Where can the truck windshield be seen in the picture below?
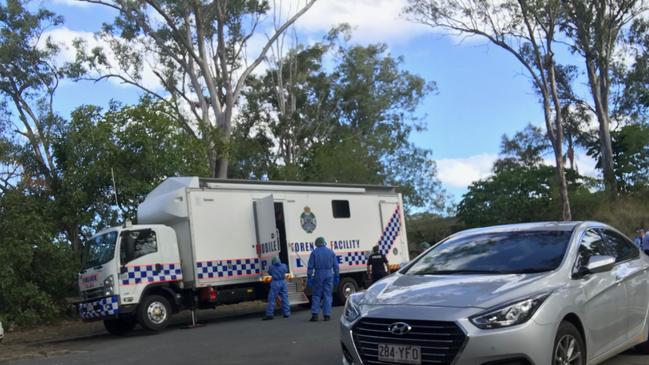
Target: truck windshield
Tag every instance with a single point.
(99, 250)
(495, 253)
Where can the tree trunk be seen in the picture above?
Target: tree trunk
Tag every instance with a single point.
(73, 236)
(601, 111)
(556, 138)
(566, 213)
(606, 148)
(557, 135)
(221, 167)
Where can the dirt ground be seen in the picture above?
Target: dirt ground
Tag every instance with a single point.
(43, 341)
(52, 340)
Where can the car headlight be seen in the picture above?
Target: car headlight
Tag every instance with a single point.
(109, 285)
(353, 307)
(511, 314)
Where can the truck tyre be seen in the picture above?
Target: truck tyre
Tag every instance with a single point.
(346, 287)
(569, 346)
(120, 326)
(154, 313)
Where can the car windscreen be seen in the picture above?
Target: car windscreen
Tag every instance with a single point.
(495, 253)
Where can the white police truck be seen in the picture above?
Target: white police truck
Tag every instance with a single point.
(199, 243)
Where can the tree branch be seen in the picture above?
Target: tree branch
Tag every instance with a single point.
(262, 54)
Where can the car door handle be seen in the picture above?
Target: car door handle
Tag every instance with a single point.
(158, 268)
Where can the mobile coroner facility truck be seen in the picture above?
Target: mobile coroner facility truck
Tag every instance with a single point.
(201, 242)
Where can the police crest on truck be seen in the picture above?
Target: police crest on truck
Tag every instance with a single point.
(307, 220)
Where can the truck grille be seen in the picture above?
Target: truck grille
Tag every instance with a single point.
(440, 341)
(92, 293)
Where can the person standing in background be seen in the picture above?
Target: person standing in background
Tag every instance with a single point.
(322, 275)
(377, 265)
(639, 239)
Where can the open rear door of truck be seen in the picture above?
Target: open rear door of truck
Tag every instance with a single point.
(268, 244)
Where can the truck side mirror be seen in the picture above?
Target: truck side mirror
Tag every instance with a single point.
(123, 269)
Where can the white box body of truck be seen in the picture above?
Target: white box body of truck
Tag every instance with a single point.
(200, 242)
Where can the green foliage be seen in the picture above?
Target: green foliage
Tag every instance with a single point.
(28, 80)
(630, 155)
(24, 66)
(525, 148)
(351, 124)
(522, 188)
(626, 213)
(515, 194)
(634, 81)
(140, 144)
(37, 270)
(429, 228)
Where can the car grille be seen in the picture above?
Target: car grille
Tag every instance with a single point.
(440, 341)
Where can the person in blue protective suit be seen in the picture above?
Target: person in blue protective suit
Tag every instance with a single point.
(278, 287)
(322, 275)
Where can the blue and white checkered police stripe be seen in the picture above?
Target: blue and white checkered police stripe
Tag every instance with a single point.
(104, 307)
(390, 232)
(354, 258)
(228, 268)
(150, 274)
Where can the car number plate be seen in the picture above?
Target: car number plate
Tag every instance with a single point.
(401, 354)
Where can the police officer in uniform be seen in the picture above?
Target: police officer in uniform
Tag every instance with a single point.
(323, 274)
(377, 265)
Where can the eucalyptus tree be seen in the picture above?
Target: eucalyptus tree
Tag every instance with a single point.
(198, 50)
(595, 30)
(29, 78)
(527, 30)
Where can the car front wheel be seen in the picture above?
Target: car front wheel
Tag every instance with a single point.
(569, 346)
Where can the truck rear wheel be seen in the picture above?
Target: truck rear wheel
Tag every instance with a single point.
(120, 326)
(346, 287)
(154, 313)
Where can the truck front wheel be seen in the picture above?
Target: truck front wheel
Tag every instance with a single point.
(346, 287)
(154, 313)
(119, 326)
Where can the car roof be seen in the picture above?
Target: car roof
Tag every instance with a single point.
(521, 227)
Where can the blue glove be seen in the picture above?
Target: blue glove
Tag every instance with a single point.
(336, 280)
(309, 283)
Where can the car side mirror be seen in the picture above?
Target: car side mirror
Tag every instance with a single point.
(598, 264)
(123, 269)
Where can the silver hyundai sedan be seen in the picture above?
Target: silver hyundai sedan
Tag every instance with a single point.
(569, 293)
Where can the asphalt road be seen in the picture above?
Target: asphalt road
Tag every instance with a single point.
(236, 339)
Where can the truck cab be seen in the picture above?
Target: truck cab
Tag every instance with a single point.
(120, 264)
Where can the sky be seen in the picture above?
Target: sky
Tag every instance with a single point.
(482, 92)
